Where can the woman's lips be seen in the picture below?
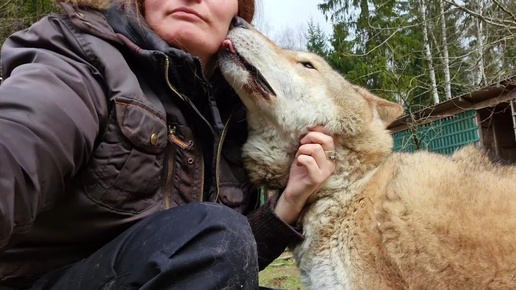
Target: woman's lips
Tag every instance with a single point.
(187, 12)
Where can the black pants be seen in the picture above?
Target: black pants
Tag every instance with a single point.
(196, 246)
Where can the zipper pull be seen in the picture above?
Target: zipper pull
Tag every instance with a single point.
(176, 141)
(171, 130)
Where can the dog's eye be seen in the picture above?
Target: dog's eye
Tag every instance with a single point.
(308, 64)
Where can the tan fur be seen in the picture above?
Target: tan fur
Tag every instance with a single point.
(383, 220)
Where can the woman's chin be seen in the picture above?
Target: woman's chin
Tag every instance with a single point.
(194, 43)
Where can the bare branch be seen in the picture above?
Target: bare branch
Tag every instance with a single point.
(376, 47)
(488, 20)
(504, 9)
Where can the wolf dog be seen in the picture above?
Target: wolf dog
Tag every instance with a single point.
(383, 220)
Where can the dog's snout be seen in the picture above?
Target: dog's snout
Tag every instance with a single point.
(238, 22)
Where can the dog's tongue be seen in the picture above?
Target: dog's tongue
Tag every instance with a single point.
(227, 44)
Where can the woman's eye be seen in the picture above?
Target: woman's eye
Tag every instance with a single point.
(308, 64)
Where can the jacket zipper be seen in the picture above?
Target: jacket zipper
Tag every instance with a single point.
(217, 159)
(167, 190)
(172, 137)
(175, 140)
(167, 66)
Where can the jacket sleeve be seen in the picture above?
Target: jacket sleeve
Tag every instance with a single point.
(51, 107)
(272, 234)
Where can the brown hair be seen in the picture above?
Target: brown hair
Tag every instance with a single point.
(246, 9)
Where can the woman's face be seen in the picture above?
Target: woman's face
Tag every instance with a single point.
(198, 27)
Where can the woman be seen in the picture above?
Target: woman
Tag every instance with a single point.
(120, 150)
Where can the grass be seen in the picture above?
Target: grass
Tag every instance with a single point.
(282, 273)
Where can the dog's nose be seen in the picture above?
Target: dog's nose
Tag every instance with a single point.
(238, 22)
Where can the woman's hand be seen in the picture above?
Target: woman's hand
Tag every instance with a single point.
(310, 169)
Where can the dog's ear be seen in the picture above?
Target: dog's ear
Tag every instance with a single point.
(387, 111)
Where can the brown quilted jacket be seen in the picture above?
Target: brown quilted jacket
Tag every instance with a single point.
(101, 125)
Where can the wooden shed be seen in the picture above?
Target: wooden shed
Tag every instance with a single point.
(486, 116)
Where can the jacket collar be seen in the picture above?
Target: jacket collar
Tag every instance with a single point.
(119, 20)
(124, 21)
(185, 70)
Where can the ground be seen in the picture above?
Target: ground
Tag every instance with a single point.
(281, 274)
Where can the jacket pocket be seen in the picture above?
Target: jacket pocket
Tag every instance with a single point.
(124, 172)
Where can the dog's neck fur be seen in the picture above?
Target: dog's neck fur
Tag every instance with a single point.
(268, 155)
(351, 173)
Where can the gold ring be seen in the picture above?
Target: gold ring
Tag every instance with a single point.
(331, 155)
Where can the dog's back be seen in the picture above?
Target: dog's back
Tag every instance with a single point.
(446, 222)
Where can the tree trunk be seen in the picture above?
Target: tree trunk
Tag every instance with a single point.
(480, 77)
(428, 53)
(446, 57)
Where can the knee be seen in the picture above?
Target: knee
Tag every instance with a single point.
(230, 238)
(223, 220)
(200, 238)
(228, 230)
(222, 216)
(201, 219)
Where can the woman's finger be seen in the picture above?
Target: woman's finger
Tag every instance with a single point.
(314, 150)
(317, 152)
(325, 140)
(315, 174)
